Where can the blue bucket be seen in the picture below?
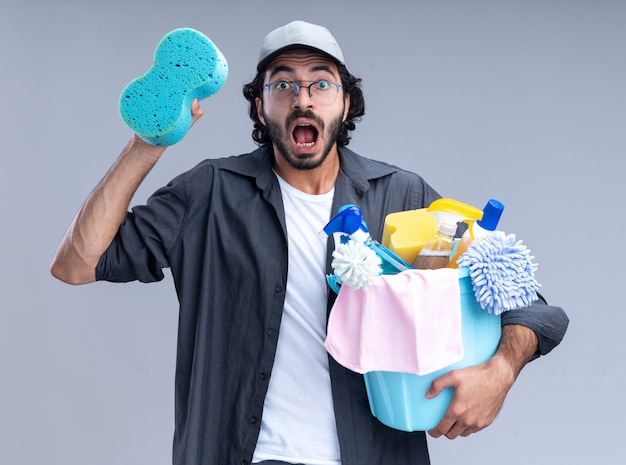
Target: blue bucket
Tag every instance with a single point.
(398, 399)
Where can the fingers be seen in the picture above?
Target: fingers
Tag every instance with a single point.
(475, 404)
(196, 111)
(446, 381)
(459, 421)
(447, 424)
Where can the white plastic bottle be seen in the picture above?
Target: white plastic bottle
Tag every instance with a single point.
(480, 229)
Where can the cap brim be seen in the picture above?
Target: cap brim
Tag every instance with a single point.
(268, 59)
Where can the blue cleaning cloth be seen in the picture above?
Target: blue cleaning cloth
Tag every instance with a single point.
(156, 106)
(502, 273)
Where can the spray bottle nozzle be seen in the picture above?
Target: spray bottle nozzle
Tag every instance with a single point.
(450, 212)
(347, 221)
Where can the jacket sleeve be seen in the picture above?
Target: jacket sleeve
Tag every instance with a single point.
(547, 321)
(140, 250)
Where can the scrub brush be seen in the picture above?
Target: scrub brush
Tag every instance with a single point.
(355, 264)
(502, 273)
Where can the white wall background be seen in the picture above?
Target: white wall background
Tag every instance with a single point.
(520, 100)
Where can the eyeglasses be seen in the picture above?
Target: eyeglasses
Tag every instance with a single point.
(284, 93)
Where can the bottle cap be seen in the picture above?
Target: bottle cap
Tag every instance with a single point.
(491, 215)
(447, 229)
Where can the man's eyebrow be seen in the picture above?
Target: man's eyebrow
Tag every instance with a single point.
(289, 69)
(322, 68)
(280, 69)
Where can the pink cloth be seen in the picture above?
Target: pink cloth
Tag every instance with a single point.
(409, 322)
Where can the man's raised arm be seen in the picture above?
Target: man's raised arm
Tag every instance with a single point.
(99, 218)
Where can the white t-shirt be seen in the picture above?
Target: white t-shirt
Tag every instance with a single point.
(298, 422)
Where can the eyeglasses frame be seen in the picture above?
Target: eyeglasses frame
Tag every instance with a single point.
(297, 87)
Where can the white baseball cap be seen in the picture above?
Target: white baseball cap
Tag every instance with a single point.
(298, 34)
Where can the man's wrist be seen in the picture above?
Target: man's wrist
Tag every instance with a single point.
(517, 347)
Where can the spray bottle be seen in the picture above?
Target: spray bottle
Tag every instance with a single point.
(441, 247)
(348, 225)
(480, 229)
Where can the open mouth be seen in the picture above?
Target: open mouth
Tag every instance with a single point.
(304, 135)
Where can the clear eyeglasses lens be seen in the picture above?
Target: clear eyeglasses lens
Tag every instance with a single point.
(322, 92)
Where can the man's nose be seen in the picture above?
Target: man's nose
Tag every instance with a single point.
(303, 99)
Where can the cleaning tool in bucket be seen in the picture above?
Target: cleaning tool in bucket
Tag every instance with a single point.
(502, 272)
(357, 257)
(479, 229)
(441, 247)
(406, 232)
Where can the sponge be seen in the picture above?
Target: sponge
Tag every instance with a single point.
(156, 106)
(406, 232)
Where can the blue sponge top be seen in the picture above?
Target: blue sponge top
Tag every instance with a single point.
(156, 106)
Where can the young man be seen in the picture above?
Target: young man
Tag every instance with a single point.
(253, 380)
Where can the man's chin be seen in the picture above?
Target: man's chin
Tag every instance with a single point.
(305, 162)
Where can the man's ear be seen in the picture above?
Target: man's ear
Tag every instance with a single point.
(259, 110)
(346, 109)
